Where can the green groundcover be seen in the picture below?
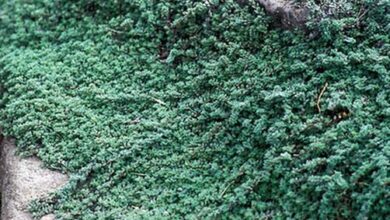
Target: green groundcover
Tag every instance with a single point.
(201, 109)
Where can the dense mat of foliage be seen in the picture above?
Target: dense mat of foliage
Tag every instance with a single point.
(200, 109)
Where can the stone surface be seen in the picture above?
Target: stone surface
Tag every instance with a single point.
(287, 12)
(48, 217)
(23, 180)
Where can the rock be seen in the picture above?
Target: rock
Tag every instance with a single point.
(48, 217)
(24, 180)
(286, 12)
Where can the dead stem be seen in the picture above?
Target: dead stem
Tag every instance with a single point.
(319, 97)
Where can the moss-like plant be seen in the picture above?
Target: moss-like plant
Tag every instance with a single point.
(200, 109)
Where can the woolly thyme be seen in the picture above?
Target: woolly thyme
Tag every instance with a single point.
(200, 109)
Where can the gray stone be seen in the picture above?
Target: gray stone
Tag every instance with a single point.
(24, 180)
(48, 217)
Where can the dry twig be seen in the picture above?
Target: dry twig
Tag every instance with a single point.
(159, 101)
(224, 191)
(319, 97)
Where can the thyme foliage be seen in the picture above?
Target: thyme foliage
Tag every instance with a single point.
(200, 109)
